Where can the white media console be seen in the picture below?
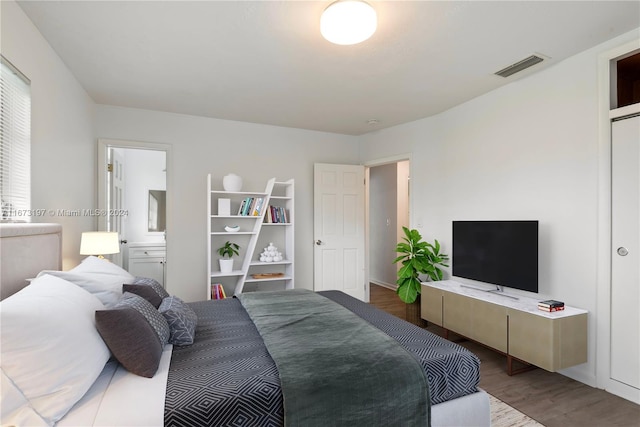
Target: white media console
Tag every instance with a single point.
(514, 327)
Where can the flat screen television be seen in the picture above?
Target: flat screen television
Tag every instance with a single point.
(503, 253)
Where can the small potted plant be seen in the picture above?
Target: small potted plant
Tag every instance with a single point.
(417, 257)
(227, 251)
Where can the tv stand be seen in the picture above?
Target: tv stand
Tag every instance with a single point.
(513, 327)
(499, 291)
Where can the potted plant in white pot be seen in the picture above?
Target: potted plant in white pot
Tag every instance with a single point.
(417, 257)
(227, 251)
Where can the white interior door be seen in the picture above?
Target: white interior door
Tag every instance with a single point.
(339, 239)
(625, 265)
(116, 200)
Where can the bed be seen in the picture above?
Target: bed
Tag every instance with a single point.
(229, 363)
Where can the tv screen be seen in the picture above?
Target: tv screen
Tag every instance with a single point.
(503, 253)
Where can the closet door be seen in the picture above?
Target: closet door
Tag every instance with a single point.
(625, 239)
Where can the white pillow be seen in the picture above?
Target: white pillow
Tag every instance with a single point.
(50, 349)
(98, 276)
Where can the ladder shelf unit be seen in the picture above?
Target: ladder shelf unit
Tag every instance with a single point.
(256, 232)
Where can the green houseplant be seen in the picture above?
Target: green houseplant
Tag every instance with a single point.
(417, 257)
(227, 251)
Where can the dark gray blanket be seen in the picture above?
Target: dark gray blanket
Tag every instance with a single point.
(335, 366)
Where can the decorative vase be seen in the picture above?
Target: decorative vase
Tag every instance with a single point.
(226, 265)
(232, 182)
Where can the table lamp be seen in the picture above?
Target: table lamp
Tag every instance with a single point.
(99, 243)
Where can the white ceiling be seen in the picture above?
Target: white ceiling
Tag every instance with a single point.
(265, 61)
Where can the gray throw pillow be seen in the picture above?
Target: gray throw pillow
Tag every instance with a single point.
(153, 317)
(181, 318)
(145, 291)
(131, 339)
(135, 332)
(162, 293)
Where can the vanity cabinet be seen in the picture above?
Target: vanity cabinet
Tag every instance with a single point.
(514, 327)
(147, 260)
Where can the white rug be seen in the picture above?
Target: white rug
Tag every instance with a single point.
(503, 415)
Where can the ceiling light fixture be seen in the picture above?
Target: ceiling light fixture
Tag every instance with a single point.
(348, 22)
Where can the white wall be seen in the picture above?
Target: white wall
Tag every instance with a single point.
(63, 153)
(255, 152)
(528, 150)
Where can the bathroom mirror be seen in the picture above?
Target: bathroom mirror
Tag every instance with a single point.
(157, 210)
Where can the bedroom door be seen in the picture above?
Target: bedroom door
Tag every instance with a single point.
(339, 230)
(116, 200)
(625, 261)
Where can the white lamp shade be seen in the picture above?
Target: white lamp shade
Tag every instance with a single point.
(99, 243)
(348, 22)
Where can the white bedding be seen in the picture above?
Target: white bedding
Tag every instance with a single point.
(120, 398)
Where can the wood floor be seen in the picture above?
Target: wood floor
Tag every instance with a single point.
(549, 398)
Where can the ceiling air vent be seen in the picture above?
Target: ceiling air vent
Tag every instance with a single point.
(519, 66)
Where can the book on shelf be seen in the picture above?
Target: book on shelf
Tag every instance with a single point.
(277, 215)
(550, 309)
(217, 291)
(257, 206)
(251, 206)
(242, 205)
(550, 303)
(247, 206)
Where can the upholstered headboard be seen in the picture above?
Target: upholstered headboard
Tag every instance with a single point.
(26, 250)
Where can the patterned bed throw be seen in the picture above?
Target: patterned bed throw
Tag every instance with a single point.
(335, 368)
(227, 377)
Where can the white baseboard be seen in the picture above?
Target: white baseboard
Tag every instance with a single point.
(391, 286)
(622, 390)
(575, 373)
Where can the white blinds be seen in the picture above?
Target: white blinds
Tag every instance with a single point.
(15, 143)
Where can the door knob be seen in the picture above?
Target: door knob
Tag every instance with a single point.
(319, 242)
(622, 251)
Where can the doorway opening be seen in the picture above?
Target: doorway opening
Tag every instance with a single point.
(387, 211)
(133, 192)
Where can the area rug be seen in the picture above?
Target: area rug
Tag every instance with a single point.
(503, 415)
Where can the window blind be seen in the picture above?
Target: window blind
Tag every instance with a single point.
(15, 143)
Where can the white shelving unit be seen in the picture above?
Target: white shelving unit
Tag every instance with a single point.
(253, 236)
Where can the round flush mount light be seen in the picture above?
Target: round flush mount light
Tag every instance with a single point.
(347, 22)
